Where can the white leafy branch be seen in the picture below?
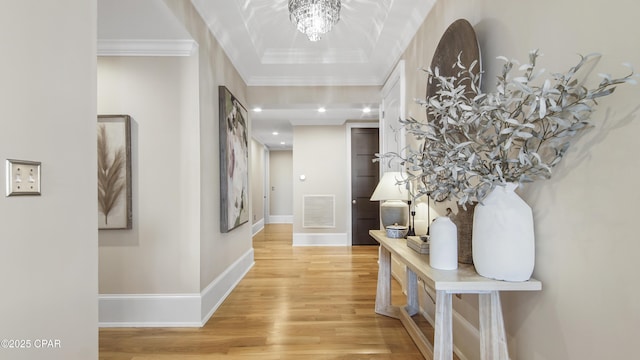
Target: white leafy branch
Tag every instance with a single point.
(475, 141)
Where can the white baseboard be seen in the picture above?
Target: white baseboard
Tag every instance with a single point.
(321, 239)
(218, 290)
(149, 310)
(280, 219)
(257, 227)
(465, 335)
(171, 310)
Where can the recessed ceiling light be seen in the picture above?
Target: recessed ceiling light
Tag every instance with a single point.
(257, 109)
(281, 142)
(321, 110)
(366, 110)
(275, 133)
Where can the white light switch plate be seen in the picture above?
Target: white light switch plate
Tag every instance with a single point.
(23, 177)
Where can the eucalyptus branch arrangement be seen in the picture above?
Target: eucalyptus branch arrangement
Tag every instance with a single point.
(110, 174)
(475, 141)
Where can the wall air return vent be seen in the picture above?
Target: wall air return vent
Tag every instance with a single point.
(318, 211)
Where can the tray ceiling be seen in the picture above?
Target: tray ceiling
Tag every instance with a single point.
(361, 49)
(267, 50)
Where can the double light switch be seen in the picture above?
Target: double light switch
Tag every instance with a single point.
(23, 177)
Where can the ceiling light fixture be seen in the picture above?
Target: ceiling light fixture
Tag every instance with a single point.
(321, 110)
(314, 18)
(366, 110)
(257, 109)
(275, 133)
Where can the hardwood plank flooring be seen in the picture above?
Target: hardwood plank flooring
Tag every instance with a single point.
(295, 303)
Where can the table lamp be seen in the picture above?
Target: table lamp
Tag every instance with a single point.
(393, 210)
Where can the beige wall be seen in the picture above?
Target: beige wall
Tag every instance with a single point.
(218, 251)
(258, 152)
(586, 238)
(319, 152)
(161, 253)
(281, 182)
(49, 243)
(176, 246)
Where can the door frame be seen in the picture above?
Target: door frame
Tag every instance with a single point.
(266, 203)
(367, 125)
(397, 76)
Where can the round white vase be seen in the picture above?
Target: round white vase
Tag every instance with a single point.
(503, 239)
(443, 244)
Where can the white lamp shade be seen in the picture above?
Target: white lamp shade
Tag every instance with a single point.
(389, 189)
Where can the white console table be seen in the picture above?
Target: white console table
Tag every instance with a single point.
(464, 280)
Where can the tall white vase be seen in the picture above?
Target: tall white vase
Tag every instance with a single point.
(443, 247)
(503, 240)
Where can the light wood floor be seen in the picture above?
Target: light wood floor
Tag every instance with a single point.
(295, 303)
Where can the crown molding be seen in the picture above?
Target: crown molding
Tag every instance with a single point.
(313, 80)
(146, 47)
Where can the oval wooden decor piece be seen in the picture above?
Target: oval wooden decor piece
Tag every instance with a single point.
(459, 38)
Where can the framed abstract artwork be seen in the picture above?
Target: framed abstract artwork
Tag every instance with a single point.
(114, 172)
(234, 162)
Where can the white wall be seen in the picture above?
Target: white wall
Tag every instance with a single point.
(258, 152)
(160, 255)
(48, 246)
(320, 148)
(175, 267)
(586, 238)
(281, 183)
(319, 153)
(223, 257)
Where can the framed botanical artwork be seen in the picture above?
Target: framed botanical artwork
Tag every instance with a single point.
(114, 172)
(234, 162)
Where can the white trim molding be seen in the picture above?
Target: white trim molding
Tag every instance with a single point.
(280, 219)
(146, 47)
(149, 310)
(172, 310)
(464, 333)
(257, 227)
(466, 336)
(218, 290)
(390, 141)
(320, 239)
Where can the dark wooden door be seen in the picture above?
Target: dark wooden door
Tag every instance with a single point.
(365, 214)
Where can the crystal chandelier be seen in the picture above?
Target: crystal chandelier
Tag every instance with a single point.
(314, 17)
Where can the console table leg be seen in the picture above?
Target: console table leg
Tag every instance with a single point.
(443, 329)
(413, 305)
(493, 342)
(383, 292)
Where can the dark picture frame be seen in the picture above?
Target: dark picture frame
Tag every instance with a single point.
(234, 161)
(114, 172)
